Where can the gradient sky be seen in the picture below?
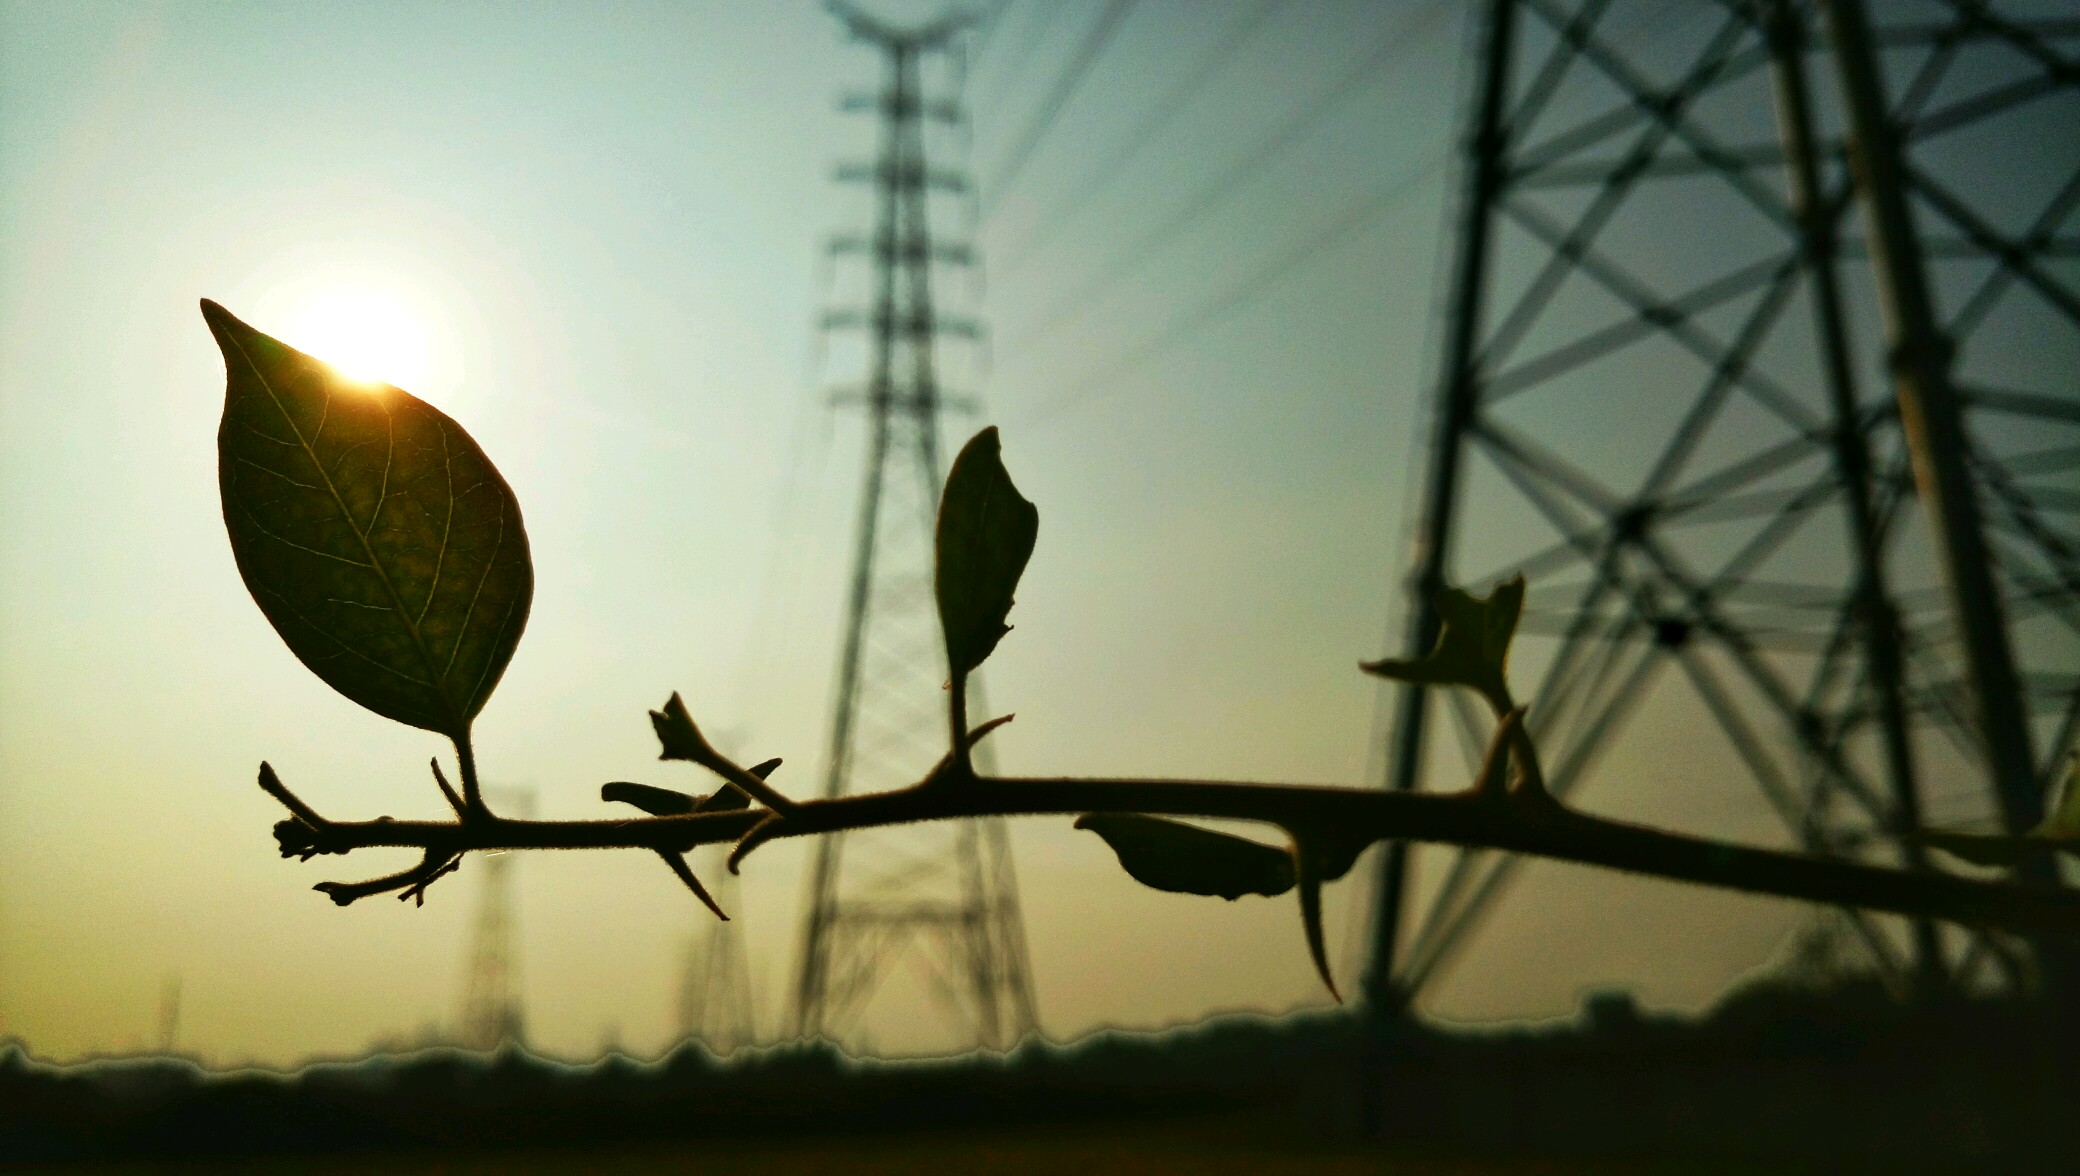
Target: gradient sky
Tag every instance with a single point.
(610, 217)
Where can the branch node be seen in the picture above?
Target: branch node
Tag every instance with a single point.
(682, 740)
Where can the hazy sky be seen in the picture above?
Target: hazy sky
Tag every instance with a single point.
(607, 221)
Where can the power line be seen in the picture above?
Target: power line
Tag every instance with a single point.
(1028, 40)
(1401, 39)
(1169, 107)
(1065, 86)
(1363, 214)
(986, 28)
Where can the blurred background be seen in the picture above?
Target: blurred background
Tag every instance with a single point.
(1212, 251)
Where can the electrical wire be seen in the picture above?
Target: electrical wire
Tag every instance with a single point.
(1167, 108)
(1065, 87)
(1360, 216)
(1029, 40)
(1400, 39)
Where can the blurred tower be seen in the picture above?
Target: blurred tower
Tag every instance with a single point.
(169, 1012)
(715, 986)
(492, 1016)
(943, 899)
(1740, 290)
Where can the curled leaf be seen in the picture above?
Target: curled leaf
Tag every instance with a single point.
(1472, 646)
(985, 536)
(658, 802)
(374, 534)
(1185, 859)
(663, 802)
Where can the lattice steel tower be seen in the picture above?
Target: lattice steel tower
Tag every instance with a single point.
(492, 1015)
(1759, 359)
(943, 899)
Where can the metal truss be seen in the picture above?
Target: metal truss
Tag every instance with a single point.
(1667, 396)
(944, 898)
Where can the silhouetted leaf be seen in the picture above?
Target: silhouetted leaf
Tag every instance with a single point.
(658, 802)
(677, 736)
(1186, 859)
(1472, 647)
(371, 530)
(985, 537)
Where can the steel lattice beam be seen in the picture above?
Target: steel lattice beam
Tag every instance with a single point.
(1746, 345)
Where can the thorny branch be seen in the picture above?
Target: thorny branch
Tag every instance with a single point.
(1527, 821)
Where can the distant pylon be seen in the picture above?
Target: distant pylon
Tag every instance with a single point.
(715, 985)
(944, 898)
(1748, 365)
(492, 1015)
(169, 1012)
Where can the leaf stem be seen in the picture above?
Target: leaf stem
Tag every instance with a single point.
(957, 720)
(474, 808)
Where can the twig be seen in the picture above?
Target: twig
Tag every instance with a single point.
(438, 861)
(454, 801)
(272, 785)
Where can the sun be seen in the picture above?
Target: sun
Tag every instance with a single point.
(367, 333)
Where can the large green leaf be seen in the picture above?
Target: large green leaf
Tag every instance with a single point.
(986, 534)
(375, 535)
(1171, 855)
(1472, 646)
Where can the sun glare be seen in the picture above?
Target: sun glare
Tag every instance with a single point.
(367, 334)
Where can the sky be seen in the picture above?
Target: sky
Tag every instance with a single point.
(598, 230)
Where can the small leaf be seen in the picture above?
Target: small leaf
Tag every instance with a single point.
(1472, 646)
(677, 736)
(377, 538)
(986, 534)
(1186, 859)
(658, 802)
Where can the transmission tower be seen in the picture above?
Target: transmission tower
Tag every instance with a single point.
(1758, 360)
(715, 986)
(943, 900)
(492, 1016)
